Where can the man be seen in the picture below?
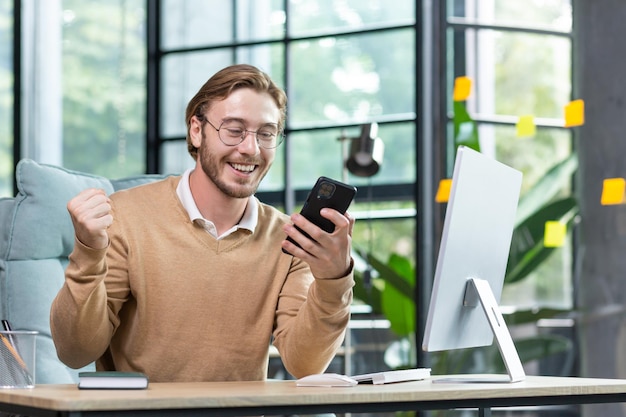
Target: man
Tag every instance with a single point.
(184, 279)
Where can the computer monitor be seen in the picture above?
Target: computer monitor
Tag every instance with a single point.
(472, 259)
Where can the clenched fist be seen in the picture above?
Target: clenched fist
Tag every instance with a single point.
(91, 215)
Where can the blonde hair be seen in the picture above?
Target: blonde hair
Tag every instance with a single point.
(222, 84)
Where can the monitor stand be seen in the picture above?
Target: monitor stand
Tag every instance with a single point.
(478, 291)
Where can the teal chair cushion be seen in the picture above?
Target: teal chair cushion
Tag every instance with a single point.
(41, 210)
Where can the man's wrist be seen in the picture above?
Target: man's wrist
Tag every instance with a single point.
(345, 274)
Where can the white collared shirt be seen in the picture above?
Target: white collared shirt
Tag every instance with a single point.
(248, 221)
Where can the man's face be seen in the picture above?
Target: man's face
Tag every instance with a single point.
(236, 170)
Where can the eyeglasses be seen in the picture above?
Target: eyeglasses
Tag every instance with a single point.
(233, 132)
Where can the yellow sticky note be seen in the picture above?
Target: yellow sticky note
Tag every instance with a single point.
(575, 113)
(443, 192)
(526, 126)
(613, 191)
(554, 235)
(462, 88)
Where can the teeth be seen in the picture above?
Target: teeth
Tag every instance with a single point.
(244, 168)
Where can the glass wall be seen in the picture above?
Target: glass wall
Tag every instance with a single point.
(335, 61)
(83, 86)
(103, 77)
(519, 58)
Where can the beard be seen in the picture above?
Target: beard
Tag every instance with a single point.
(211, 167)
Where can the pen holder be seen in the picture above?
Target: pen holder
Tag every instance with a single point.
(17, 358)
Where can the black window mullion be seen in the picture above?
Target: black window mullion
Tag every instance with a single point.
(153, 80)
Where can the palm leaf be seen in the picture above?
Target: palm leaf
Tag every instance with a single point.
(534, 348)
(465, 129)
(553, 182)
(398, 273)
(532, 316)
(527, 247)
(369, 293)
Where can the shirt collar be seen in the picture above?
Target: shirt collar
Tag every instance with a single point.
(248, 221)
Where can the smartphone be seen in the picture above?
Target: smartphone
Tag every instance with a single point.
(325, 193)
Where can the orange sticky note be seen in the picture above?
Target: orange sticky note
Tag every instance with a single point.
(575, 113)
(462, 88)
(526, 126)
(554, 235)
(613, 191)
(443, 192)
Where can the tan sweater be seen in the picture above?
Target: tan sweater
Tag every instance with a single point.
(168, 299)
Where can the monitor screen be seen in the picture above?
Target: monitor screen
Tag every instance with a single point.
(475, 243)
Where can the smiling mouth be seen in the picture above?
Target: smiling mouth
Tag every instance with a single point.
(243, 167)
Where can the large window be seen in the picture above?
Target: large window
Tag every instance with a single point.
(519, 58)
(103, 76)
(82, 86)
(342, 63)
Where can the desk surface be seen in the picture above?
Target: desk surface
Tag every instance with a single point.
(280, 396)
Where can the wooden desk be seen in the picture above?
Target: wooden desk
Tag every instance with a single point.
(283, 397)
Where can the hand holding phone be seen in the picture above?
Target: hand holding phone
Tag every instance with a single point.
(325, 193)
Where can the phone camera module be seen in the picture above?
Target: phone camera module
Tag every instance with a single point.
(326, 190)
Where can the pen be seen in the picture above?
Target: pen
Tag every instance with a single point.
(7, 326)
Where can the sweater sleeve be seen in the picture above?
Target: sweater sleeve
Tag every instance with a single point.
(312, 318)
(84, 314)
